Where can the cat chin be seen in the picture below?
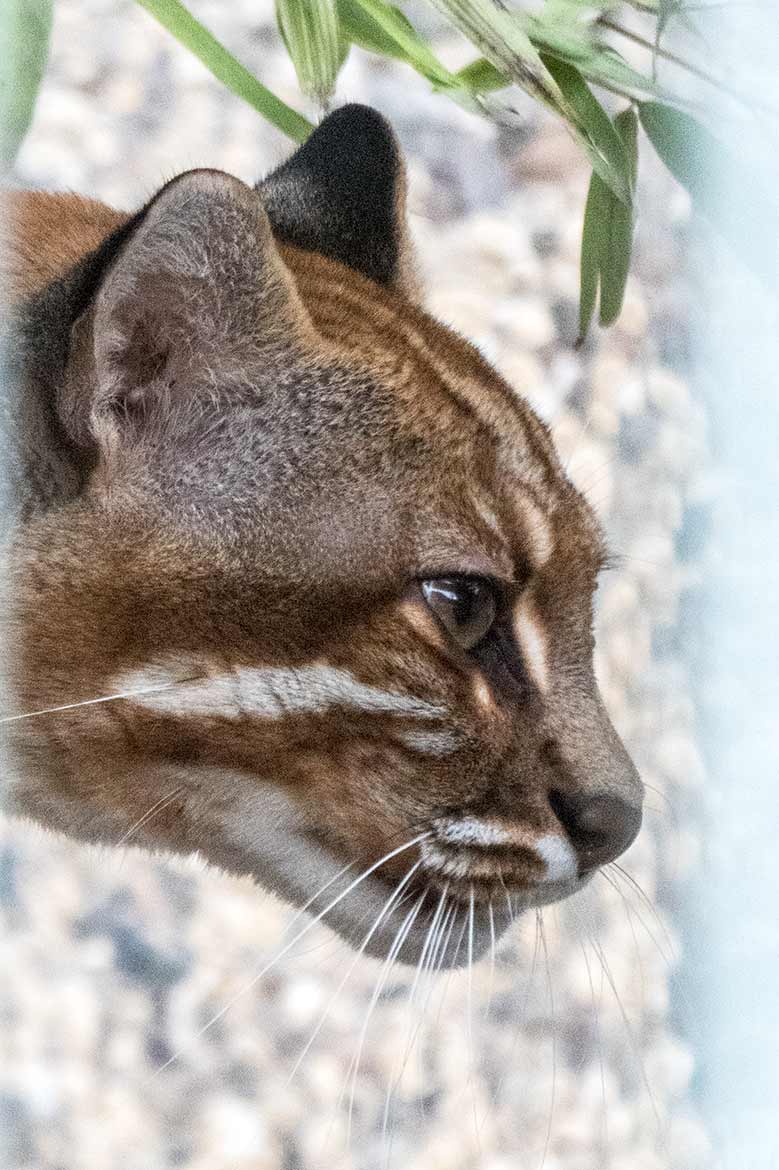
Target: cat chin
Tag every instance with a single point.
(259, 833)
(439, 935)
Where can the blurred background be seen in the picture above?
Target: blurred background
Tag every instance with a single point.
(573, 1050)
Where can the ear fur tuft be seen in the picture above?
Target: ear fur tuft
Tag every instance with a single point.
(197, 287)
(342, 194)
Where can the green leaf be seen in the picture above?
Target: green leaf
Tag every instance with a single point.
(497, 33)
(570, 32)
(383, 28)
(25, 29)
(665, 10)
(482, 77)
(615, 262)
(311, 35)
(607, 237)
(596, 131)
(190, 33)
(737, 196)
(609, 69)
(361, 29)
(692, 154)
(594, 244)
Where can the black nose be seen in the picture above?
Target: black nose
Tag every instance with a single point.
(599, 827)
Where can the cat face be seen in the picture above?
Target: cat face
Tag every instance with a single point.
(319, 567)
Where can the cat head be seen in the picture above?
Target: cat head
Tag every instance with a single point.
(316, 598)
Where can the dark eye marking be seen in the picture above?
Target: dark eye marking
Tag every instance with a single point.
(465, 606)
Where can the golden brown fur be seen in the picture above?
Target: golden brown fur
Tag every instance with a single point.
(42, 235)
(261, 453)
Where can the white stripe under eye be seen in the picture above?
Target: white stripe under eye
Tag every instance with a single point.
(267, 693)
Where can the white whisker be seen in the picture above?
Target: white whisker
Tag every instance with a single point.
(309, 926)
(623, 873)
(630, 1034)
(523, 1013)
(389, 962)
(491, 980)
(548, 1138)
(508, 898)
(430, 973)
(453, 914)
(394, 897)
(395, 1077)
(471, 1049)
(599, 1046)
(434, 965)
(132, 694)
(162, 803)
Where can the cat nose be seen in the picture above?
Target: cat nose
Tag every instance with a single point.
(600, 827)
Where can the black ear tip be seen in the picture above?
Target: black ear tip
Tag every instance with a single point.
(341, 193)
(358, 120)
(355, 134)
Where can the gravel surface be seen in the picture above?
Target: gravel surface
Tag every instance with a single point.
(562, 1052)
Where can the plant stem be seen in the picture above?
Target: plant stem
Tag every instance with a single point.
(695, 70)
(189, 32)
(659, 52)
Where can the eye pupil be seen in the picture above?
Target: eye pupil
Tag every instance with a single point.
(466, 606)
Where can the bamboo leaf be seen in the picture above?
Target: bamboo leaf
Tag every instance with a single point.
(665, 10)
(615, 261)
(190, 33)
(609, 69)
(692, 154)
(626, 124)
(571, 31)
(594, 244)
(482, 77)
(596, 131)
(383, 28)
(497, 33)
(607, 237)
(360, 28)
(745, 214)
(311, 35)
(25, 29)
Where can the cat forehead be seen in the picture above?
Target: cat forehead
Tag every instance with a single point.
(472, 442)
(382, 419)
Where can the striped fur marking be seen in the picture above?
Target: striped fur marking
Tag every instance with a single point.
(461, 848)
(475, 831)
(531, 638)
(266, 693)
(539, 533)
(430, 743)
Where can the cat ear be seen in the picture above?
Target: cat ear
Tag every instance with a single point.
(343, 194)
(199, 286)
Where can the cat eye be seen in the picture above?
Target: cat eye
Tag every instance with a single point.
(465, 606)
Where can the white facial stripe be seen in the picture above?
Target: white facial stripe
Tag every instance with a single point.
(482, 692)
(532, 642)
(431, 743)
(441, 854)
(313, 689)
(473, 831)
(267, 693)
(539, 533)
(158, 688)
(488, 518)
(559, 856)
